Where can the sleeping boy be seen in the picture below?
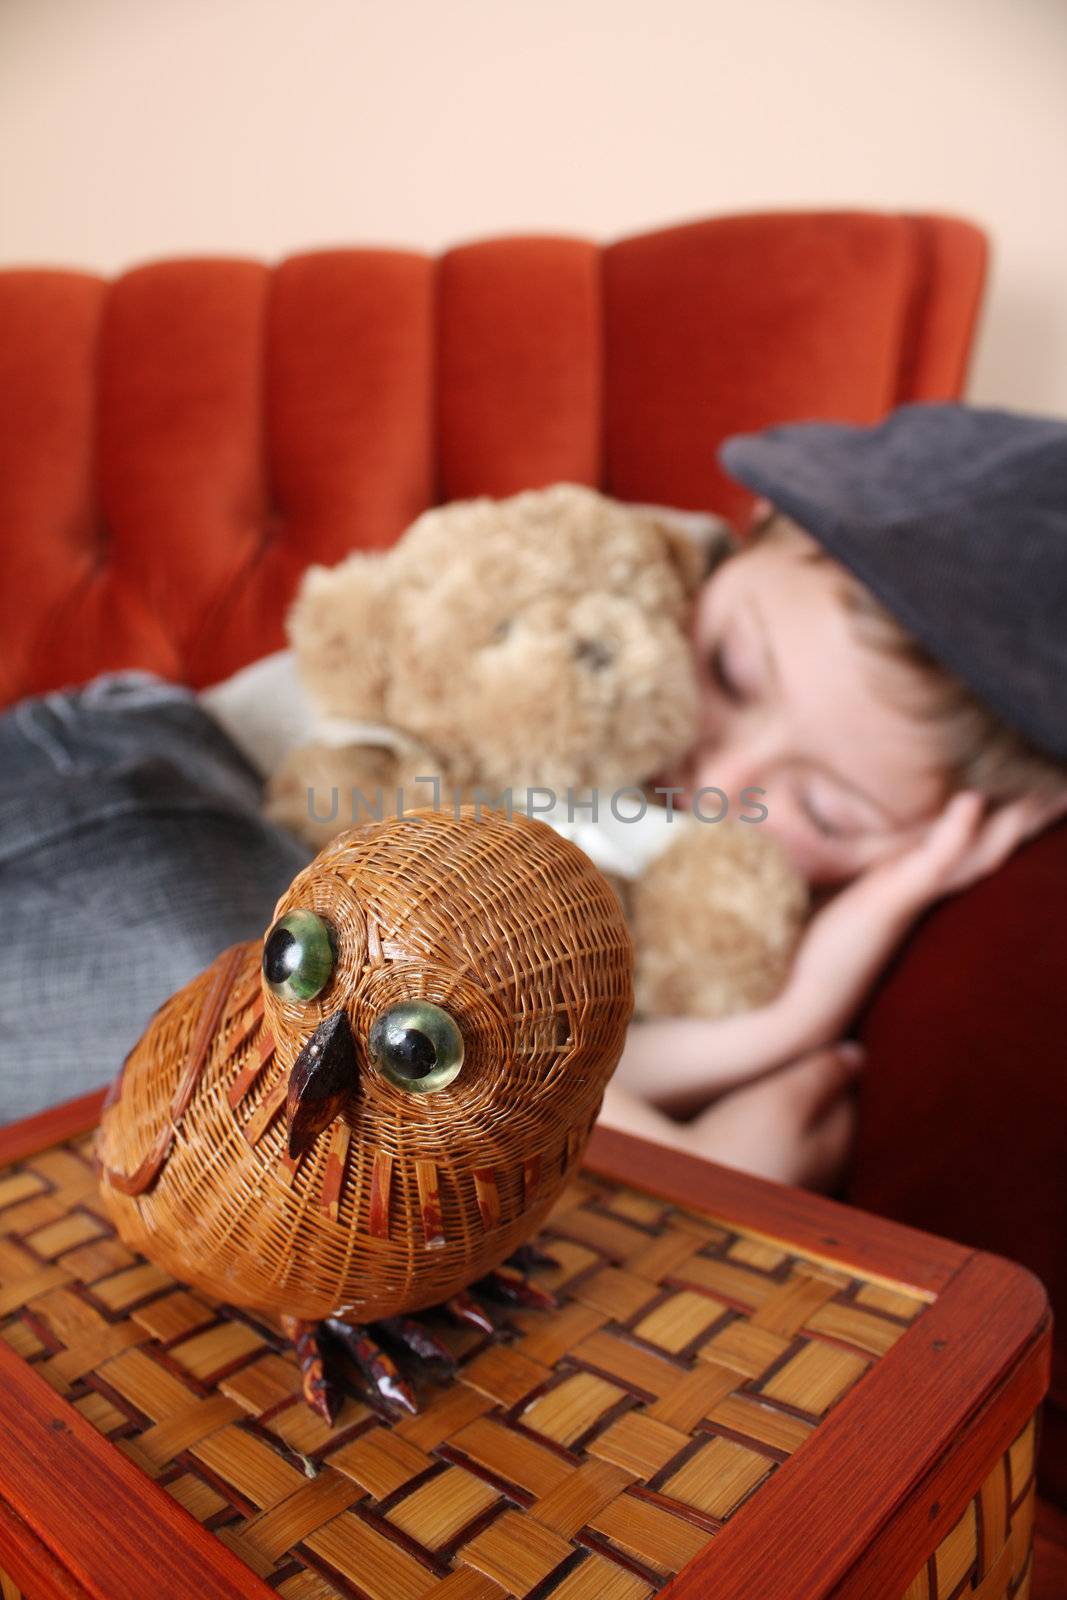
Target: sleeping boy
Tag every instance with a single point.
(886, 656)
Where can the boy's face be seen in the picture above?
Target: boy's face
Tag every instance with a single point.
(794, 703)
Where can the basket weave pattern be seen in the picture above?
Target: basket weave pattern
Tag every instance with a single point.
(988, 1554)
(582, 1453)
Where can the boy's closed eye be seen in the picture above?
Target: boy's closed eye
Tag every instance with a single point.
(832, 812)
(721, 676)
(730, 670)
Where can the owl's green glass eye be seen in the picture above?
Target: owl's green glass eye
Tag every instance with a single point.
(417, 1046)
(298, 956)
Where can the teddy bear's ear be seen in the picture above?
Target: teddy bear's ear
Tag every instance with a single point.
(338, 626)
(695, 542)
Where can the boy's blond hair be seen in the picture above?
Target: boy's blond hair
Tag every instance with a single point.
(981, 752)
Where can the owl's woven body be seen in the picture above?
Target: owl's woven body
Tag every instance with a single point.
(407, 1198)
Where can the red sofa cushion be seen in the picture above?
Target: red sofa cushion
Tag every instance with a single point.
(963, 1108)
(177, 445)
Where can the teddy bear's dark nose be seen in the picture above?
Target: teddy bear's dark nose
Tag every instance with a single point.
(594, 653)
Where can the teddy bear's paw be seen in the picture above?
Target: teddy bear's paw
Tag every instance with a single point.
(715, 920)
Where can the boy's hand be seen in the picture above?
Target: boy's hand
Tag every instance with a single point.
(851, 938)
(968, 840)
(680, 1063)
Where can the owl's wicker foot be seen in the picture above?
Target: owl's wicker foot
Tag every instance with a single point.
(509, 1283)
(315, 1343)
(528, 1256)
(319, 1390)
(380, 1369)
(465, 1308)
(418, 1339)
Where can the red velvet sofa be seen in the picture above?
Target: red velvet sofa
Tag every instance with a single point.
(176, 445)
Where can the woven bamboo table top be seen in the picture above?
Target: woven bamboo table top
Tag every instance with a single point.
(586, 1453)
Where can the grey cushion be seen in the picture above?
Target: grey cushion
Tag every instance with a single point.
(132, 850)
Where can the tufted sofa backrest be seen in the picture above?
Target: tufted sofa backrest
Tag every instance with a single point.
(178, 444)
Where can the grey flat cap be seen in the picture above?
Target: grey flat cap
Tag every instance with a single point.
(956, 518)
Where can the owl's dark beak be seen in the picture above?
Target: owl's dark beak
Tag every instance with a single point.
(324, 1074)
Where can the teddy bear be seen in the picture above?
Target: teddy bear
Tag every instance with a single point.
(537, 647)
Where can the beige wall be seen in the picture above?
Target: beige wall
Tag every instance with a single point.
(138, 128)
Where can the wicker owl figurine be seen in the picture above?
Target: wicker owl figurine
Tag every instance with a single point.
(374, 1107)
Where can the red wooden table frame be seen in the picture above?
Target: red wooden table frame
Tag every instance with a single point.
(839, 1517)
